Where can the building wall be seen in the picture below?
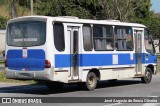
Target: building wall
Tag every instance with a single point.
(2, 40)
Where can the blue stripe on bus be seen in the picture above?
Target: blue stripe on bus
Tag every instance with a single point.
(34, 61)
(104, 59)
(151, 58)
(63, 60)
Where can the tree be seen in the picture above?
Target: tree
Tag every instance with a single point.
(143, 15)
(61, 8)
(120, 9)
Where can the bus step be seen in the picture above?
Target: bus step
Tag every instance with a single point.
(72, 81)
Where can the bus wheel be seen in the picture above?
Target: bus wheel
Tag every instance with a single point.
(148, 76)
(91, 82)
(54, 85)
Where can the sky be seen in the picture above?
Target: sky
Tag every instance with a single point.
(155, 6)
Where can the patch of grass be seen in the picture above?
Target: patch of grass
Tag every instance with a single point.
(1, 61)
(158, 67)
(3, 79)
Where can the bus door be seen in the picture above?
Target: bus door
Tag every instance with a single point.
(138, 51)
(73, 35)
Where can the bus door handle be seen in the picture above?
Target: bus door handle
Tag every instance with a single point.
(75, 57)
(75, 53)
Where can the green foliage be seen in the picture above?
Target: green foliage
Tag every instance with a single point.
(1, 2)
(143, 10)
(143, 15)
(124, 10)
(3, 22)
(153, 24)
(61, 8)
(24, 3)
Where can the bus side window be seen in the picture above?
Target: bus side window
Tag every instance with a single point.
(103, 37)
(124, 38)
(58, 30)
(87, 38)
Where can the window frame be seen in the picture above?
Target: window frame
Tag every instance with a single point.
(112, 38)
(60, 23)
(115, 37)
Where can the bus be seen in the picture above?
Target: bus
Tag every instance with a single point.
(66, 49)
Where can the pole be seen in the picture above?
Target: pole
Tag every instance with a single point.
(31, 7)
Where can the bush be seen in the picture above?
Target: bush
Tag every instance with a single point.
(3, 22)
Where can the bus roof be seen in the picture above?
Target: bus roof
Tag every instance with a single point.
(72, 19)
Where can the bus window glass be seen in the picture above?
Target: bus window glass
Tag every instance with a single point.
(26, 33)
(124, 38)
(103, 37)
(87, 37)
(148, 42)
(59, 36)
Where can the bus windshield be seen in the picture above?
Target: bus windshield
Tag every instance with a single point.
(26, 33)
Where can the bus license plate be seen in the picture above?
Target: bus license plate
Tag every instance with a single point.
(24, 74)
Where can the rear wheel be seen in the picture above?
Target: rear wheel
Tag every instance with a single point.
(91, 81)
(54, 85)
(148, 76)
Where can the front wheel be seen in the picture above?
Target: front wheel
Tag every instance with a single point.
(148, 76)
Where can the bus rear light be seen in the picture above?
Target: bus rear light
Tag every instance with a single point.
(47, 64)
(5, 63)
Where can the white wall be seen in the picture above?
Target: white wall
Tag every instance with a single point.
(2, 40)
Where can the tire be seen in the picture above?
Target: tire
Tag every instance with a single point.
(148, 76)
(54, 85)
(91, 81)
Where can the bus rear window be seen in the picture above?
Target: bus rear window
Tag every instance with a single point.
(26, 33)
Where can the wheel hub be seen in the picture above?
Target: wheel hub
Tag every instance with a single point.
(91, 81)
(147, 75)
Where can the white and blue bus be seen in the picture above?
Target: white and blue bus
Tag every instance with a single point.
(67, 49)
